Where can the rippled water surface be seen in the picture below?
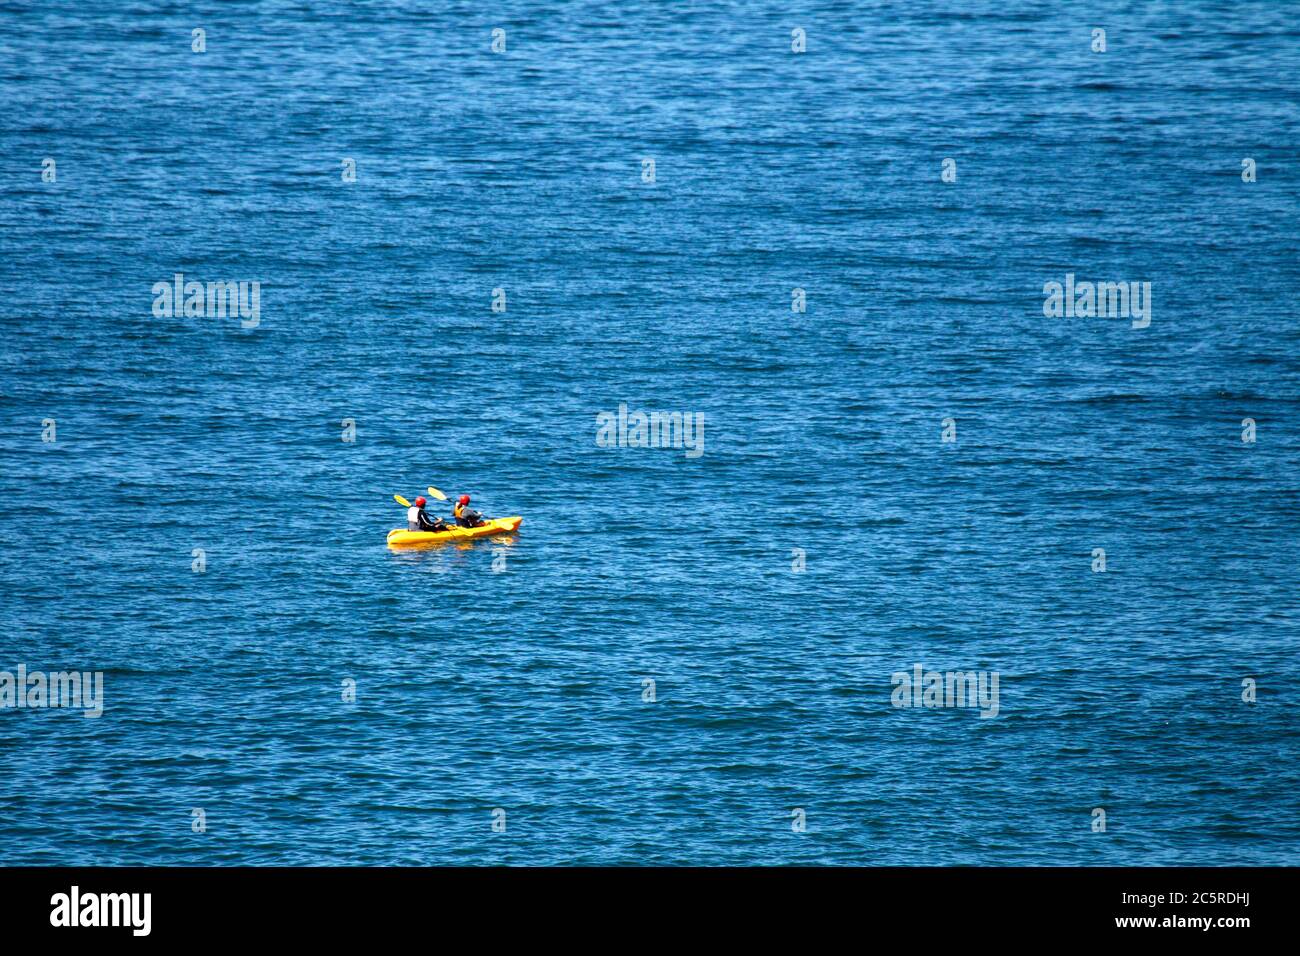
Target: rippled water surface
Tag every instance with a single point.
(523, 689)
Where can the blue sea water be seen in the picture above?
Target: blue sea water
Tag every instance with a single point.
(522, 689)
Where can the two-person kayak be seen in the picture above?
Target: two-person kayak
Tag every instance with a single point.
(400, 537)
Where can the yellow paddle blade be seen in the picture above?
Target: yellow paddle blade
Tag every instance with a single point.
(437, 494)
(401, 501)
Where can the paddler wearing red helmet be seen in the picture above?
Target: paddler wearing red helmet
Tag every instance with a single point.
(466, 516)
(417, 520)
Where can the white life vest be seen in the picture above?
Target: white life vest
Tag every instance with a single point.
(413, 515)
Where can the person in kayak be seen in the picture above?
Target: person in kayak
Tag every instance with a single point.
(417, 520)
(466, 516)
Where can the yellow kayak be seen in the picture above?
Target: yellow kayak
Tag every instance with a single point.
(400, 537)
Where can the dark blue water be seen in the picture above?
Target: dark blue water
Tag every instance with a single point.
(522, 689)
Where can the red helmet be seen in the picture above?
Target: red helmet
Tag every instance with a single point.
(464, 499)
(420, 502)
